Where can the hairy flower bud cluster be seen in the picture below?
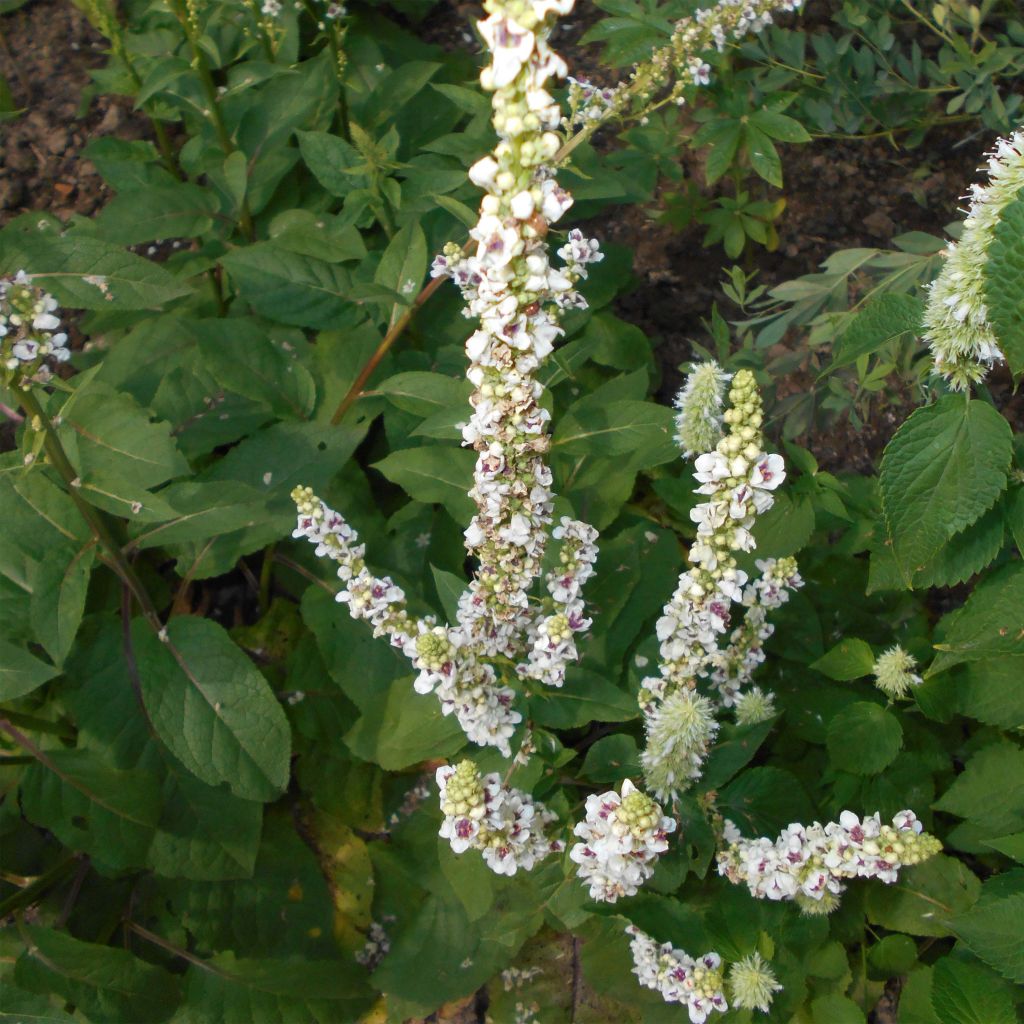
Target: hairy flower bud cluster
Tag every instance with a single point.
(894, 673)
(738, 477)
(29, 331)
(553, 644)
(504, 824)
(695, 983)
(623, 835)
(734, 667)
(808, 863)
(699, 420)
(956, 321)
(510, 286)
(752, 984)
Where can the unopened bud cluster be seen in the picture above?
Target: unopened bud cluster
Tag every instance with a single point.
(29, 331)
(894, 672)
(699, 420)
(956, 322)
(505, 825)
(809, 863)
(623, 834)
(679, 978)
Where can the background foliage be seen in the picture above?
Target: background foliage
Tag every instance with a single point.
(214, 781)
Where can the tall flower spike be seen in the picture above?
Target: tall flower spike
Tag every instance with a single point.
(956, 322)
(738, 477)
(29, 331)
(809, 863)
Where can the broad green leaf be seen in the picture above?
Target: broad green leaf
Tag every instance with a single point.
(612, 759)
(449, 589)
(182, 210)
(21, 672)
(333, 161)
(764, 157)
(963, 993)
(290, 288)
(586, 697)
(433, 473)
(204, 833)
(863, 738)
(273, 991)
(117, 450)
(59, 584)
(212, 708)
(779, 126)
(849, 659)
(641, 430)
(925, 898)
(945, 467)
(108, 813)
(883, 319)
(1010, 846)
(87, 273)
(763, 800)
(990, 790)
(1004, 272)
(243, 357)
(404, 263)
(108, 984)
(424, 394)
(966, 553)
(404, 728)
(989, 625)
(836, 1009)
(734, 748)
(322, 236)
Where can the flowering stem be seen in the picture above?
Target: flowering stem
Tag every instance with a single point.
(93, 517)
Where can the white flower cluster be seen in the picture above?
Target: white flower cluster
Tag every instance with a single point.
(738, 478)
(678, 977)
(956, 320)
(28, 330)
(590, 104)
(553, 647)
(734, 667)
(623, 835)
(505, 825)
(808, 863)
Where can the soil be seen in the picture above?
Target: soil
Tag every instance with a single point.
(841, 194)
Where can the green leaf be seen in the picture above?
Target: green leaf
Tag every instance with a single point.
(290, 288)
(883, 319)
(990, 791)
(273, 991)
(762, 800)
(764, 158)
(849, 659)
(60, 582)
(323, 236)
(925, 898)
(404, 262)
(836, 1009)
(404, 728)
(110, 814)
(333, 162)
(109, 985)
(641, 430)
(586, 697)
(87, 273)
(424, 394)
(945, 467)
(433, 473)
(966, 553)
(1004, 271)
(989, 624)
(181, 210)
(779, 126)
(612, 759)
(449, 589)
(21, 672)
(992, 691)
(786, 527)
(242, 356)
(963, 993)
(863, 738)
(212, 708)
(204, 833)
